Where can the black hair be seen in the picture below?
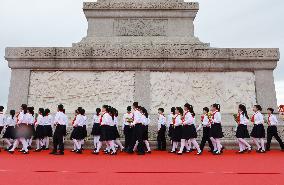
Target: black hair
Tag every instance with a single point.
(82, 111)
(161, 109)
(60, 108)
(180, 110)
(115, 112)
(12, 113)
(217, 106)
(1, 108)
(46, 112)
(244, 110)
(31, 110)
(144, 111)
(271, 110)
(135, 104)
(128, 109)
(206, 109)
(173, 109)
(98, 111)
(25, 108)
(190, 109)
(258, 107)
(63, 111)
(41, 111)
(105, 107)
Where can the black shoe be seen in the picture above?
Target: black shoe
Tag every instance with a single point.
(172, 152)
(179, 153)
(29, 148)
(113, 153)
(9, 148)
(189, 151)
(78, 151)
(95, 153)
(217, 153)
(11, 152)
(140, 153)
(199, 153)
(37, 150)
(46, 149)
(240, 152)
(43, 147)
(60, 153)
(21, 151)
(149, 152)
(53, 153)
(26, 152)
(73, 150)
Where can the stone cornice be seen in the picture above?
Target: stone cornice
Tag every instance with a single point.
(141, 4)
(134, 51)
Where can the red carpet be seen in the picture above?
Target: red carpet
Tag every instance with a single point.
(157, 168)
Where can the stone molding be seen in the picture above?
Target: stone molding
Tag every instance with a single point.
(124, 51)
(139, 4)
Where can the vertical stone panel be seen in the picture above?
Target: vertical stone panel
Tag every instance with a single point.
(265, 89)
(19, 88)
(142, 88)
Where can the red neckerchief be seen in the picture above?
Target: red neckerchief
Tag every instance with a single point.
(239, 118)
(269, 123)
(213, 114)
(252, 118)
(101, 118)
(17, 117)
(74, 120)
(174, 121)
(202, 118)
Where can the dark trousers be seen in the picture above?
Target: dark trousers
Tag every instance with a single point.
(272, 132)
(138, 131)
(58, 138)
(161, 138)
(128, 133)
(206, 138)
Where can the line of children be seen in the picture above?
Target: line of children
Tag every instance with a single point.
(25, 126)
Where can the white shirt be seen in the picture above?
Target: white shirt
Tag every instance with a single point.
(243, 119)
(258, 118)
(272, 120)
(178, 120)
(217, 117)
(115, 121)
(137, 117)
(106, 119)
(23, 118)
(161, 121)
(80, 120)
(188, 119)
(170, 119)
(127, 117)
(96, 118)
(145, 121)
(205, 122)
(40, 120)
(48, 120)
(30, 118)
(85, 120)
(60, 118)
(11, 122)
(2, 119)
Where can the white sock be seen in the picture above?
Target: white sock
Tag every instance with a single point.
(195, 144)
(182, 145)
(147, 145)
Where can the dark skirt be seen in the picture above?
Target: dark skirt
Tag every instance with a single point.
(258, 131)
(145, 132)
(48, 131)
(105, 133)
(39, 132)
(78, 133)
(9, 133)
(72, 133)
(177, 133)
(216, 131)
(171, 131)
(64, 129)
(96, 130)
(113, 133)
(85, 132)
(22, 131)
(31, 131)
(242, 131)
(188, 132)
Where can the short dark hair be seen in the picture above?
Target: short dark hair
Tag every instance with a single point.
(60, 107)
(173, 109)
(135, 104)
(271, 110)
(206, 109)
(1, 108)
(258, 107)
(129, 108)
(161, 109)
(41, 110)
(47, 111)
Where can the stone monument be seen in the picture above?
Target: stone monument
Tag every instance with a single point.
(146, 51)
